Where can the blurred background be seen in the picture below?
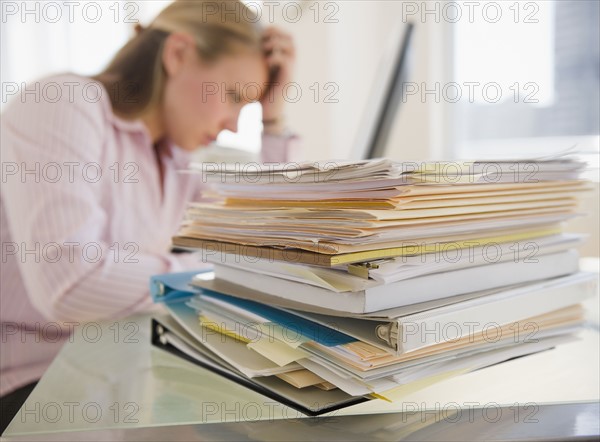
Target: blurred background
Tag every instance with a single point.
(508, 79)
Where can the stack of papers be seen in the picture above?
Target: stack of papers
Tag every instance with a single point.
(337, 283)
(379, 209)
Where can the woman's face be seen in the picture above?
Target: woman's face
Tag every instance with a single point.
(201, 99)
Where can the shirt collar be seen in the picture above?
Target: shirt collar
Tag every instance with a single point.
(167, 148)
(181, 158)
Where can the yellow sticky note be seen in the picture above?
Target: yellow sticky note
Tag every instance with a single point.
(277, 351)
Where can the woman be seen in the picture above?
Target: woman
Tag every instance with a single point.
(91, 195)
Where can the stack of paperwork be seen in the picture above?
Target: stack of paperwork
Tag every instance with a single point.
(340, 282)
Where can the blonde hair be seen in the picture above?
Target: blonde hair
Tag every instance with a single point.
(135, 77)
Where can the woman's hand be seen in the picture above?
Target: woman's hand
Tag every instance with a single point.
(280, 56)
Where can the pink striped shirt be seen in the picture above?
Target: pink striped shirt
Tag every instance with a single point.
(84, 219)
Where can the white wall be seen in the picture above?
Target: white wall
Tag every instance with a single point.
(349, 53)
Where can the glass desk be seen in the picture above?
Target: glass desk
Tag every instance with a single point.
(111, 384)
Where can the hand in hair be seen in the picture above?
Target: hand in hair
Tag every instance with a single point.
(280, 55)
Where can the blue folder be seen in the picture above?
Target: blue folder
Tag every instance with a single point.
(170, 287)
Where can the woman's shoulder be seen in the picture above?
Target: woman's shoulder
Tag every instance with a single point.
(63, 116)
(59, 95)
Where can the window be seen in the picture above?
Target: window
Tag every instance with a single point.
(538, 69)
